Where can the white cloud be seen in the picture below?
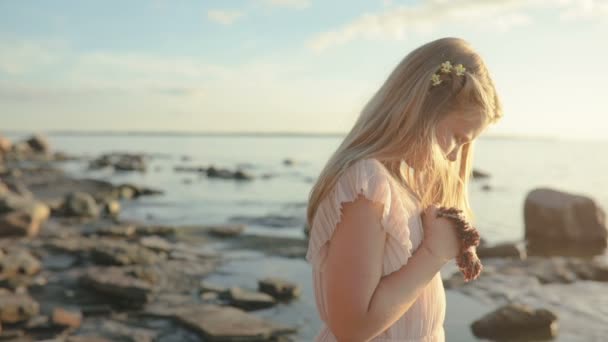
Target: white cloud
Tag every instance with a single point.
(295, 4)
(18, 56)
(224, 17)
(397, 21)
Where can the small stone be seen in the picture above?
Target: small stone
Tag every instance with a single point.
(278, 288)
(67, 318)
(249, 300)
(227, 230)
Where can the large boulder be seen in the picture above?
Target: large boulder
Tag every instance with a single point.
(516, 322)
(555, 219)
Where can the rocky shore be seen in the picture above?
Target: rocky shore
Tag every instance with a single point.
(72, 270)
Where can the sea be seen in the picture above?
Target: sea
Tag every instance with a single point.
(515, 165)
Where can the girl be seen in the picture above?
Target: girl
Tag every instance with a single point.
(375, 245)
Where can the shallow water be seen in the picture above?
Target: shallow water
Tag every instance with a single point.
(516, 167)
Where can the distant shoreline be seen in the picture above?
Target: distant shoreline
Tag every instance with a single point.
(85, 133)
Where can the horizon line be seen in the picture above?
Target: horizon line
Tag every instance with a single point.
(62, 132)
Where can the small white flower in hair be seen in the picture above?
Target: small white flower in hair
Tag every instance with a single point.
(446, 67)
(436, 79)
(460, 69)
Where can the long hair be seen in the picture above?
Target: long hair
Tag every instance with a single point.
(397, 126)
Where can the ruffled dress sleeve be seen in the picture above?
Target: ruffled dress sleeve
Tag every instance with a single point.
(370, 178)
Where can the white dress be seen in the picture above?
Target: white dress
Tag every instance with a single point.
(423, 322)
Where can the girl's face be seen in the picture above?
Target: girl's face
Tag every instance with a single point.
(455, 130)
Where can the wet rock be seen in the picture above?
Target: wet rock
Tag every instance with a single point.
(68, 318)
(212, 172)
(74, 245)
(130, 191)
(516, 321)
(103, 329)
(242, 175)
(111, 207)
(124, 230)
(156, 243)
(216, 323)
(21, 216)
(116, 252)
(554, 218)
(477, 174)
(502, 250)
(197, 169)
(15, 307)
(119, 162)
(130, 163)
(248, 300)
(117, 283)
(81, 204)
(18, 262)
(205, 286)
(127, 191)
(226, 230)
(155, 230)
(39, 144)
(23, 223)
(279, 288)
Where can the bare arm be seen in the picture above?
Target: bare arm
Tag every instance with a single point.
(362, 303)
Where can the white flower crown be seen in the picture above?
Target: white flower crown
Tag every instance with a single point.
(446, 68)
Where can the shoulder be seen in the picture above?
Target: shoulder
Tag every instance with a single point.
(364, 170)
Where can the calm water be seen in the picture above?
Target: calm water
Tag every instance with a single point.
(516, 167)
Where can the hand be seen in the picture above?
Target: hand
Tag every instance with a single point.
(440, 236)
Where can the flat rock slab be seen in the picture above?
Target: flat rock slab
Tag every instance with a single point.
(116, 282)
(217, 323)
(249, 300)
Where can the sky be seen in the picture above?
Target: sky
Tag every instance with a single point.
(288, 65)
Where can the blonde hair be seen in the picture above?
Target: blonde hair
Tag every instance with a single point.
(398, 125)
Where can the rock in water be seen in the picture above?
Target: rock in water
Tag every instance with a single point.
(279, 288)
(249, 300)
(39, 143)
(117, 283)
(555, 219)
(81, 204)
(516, 321)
